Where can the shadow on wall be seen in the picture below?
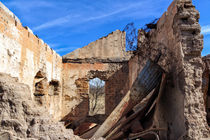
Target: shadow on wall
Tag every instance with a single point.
(111, 88)
(78, 114)
(116, 87)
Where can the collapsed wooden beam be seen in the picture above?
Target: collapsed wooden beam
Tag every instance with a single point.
(146, 81)
(140, 112)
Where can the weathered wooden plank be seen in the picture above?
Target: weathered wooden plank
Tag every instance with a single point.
(133, 116)
(138, 114)
(146, 81)
(89, 133)
(117, 136)
(146, 132)
(83, 128)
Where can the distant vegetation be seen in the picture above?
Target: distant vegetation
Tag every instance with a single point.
(131, 37)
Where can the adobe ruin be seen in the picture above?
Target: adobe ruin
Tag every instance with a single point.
(60, 85)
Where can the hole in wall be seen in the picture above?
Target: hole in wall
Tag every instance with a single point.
(184, 20)
(1, 90)
(54, 87)
(40, 87)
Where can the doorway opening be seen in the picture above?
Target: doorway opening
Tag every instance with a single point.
(96, 96)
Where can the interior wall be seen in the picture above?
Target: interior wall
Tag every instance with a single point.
(120, 82)
(75, 98)
(102, 58)
(108, 48)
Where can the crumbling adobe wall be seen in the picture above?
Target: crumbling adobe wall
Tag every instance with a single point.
(75, 87)
(111, 47)
(104, 59)
(76, 78)
(23, 55)
(176, 36)
(120, 82)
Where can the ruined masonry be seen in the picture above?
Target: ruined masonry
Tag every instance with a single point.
(46, 96)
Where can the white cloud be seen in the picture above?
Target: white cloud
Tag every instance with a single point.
(82, 17)
(205, 29)
(54, 45)
(56, 22)
(65, 49)
(29, 5)
(114, 12)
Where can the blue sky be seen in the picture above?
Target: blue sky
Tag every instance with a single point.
(70, 24)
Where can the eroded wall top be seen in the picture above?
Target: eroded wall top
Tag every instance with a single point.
(109, 48)
(22, 53)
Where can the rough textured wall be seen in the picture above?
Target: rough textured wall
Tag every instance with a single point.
(23, 54)
(177, 37)
(109, 48)
(22, 119)
(75, 87)
(104, 59)
(118, 78)
(118, 84)
(206, 86)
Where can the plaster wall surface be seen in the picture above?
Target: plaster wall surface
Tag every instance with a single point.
(23, 54)
(111, 47)
(106, 59)
(75, 87)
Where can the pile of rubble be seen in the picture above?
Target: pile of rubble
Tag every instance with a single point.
(21, 118)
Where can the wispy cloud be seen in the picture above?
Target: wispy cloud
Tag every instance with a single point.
(56, 22)
(54, 45)
(205, 29)
(114, 12)
(29, 5)
(82, 18)
(65, 49)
